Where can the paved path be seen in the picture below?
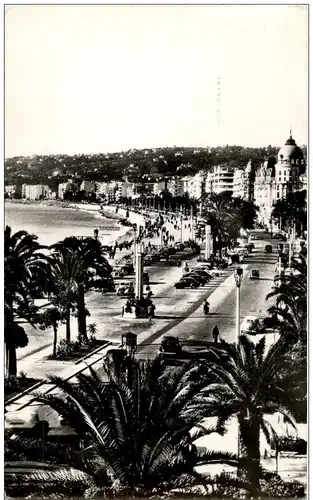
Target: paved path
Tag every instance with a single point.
(105, 312)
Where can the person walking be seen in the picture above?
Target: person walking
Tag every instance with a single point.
(215, 334)
(206, 307)
(150, 312)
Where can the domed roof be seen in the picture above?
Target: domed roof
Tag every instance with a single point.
(290, 151)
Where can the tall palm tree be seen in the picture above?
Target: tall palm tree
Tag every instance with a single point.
(80, 264)
(221, 216)
(289, 314)
(135, 427)
(250, 385)
(24, 271)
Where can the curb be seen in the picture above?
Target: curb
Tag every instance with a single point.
(42, 382)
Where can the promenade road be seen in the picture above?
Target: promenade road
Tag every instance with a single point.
(195, 326)
(105, 311)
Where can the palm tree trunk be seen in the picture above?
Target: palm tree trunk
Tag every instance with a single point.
(219, 247)
(68, 324)
(81, 315)
(249, 429)
(55, 339)
(11, 363)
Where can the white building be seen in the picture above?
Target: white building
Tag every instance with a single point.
(275, 178)
(11, 189)
(102, 188)
(34, 191)
(70, 185)
(159, 187)
(175, 186)
(220, 180)
(243, 183)
(208, 188)
(88, 186)
(196, 185)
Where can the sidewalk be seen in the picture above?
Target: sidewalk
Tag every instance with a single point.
(106, 313)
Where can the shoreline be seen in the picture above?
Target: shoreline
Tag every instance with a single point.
(125, 233)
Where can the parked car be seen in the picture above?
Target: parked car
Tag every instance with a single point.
(170, 345)
(201, 279)
(249, 325)
(254, 274)
(126, 289)
(268, 248)
(187, 283)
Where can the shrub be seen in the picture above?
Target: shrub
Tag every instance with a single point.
(293, 444)
(66, 349)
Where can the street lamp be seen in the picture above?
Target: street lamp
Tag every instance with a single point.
(238, 275)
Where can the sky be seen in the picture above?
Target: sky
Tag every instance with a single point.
(104, 78)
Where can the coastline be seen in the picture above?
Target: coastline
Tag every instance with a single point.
(125, 233)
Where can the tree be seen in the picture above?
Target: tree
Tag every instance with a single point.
(135, 428)
(250, 385)
(14, 337)
(80, 264)
(52, 317)
(24, 269)
(290, 210)
(220, 215)
(289, 314)
(247, 211)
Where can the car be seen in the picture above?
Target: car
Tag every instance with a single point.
(145, 278)
(118, 272)
(249, 325)
(148, 260)
(125, 288)
(254, 274)
(203, 272)
(201, 279)
(289, 271)
(268, 248)
(187, 283)
(170, 345)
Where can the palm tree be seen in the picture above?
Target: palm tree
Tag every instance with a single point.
(79, 265)
(250, 385)
(135, 428)
(24, 271)
(289, 314)
(221, 216)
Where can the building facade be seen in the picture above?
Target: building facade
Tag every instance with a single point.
(88, 187)
(175, 186)
(243, 183)
(220, 180)
(35, 191)
(277, 177)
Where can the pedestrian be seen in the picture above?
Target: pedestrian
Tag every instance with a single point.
(215, 334)
(150, 312)
(123, 310)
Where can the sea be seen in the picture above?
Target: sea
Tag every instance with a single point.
(54, 223)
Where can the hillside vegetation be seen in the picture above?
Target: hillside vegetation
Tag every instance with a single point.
(133, 163)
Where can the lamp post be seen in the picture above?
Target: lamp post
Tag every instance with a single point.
(181, 229)
(238, 275)
(207, 242)
(139, 270)
(191, 222)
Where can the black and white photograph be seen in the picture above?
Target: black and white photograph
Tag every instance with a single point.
(155, 251)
